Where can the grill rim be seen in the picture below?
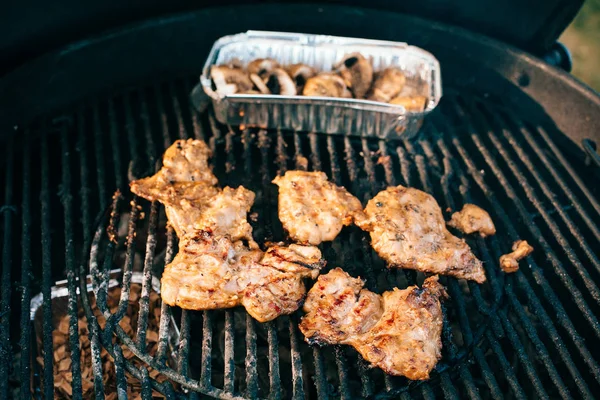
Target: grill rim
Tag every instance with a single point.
(36, 87)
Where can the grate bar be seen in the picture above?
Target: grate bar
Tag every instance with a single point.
(84, 193)
(251, 374)
(120, 372)
(8, 212)
(532, 298)
(165, 317)
(274, 377)
(182, 134)
(562, 274)
(146, 385)
(147, 278)
(549, 195)
(114, 141)
(66, 200)
(297, 381)
(507, 370)
(574, 201)
(99, 153)
(206, 367)
(228, 355)
(567, 166)
(46, 274)
(25, 340)
(184, 343)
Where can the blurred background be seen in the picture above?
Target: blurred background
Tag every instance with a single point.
(582, 38)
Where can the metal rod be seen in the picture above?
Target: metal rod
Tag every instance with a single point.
(46, 273)
(66, 200)
(274, 377)
(228, 354)
(25, 339)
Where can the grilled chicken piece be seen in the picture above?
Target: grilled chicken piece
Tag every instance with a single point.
(185, 161)
(357, 73)
(388, 84)
(311, 208)
(473, 219)
(230, 80)
(399, 332)
(212, 272)
(510, 262)
(185, 185)
(407, 230)
(326, 85)
(411, 103)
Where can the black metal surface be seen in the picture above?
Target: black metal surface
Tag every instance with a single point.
(533, 25)
(129, 57)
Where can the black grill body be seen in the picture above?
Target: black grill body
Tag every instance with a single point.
(491, 142)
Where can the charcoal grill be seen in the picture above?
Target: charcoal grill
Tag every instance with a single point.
(498, 138)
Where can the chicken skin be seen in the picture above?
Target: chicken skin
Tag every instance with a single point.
(312, 209)
(408, 230)
(399, 332)
(473, 219)
(212, 272)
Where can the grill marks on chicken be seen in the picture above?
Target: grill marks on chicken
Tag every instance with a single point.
(399, 332)
(408, 230)
(312, 209)
(212, 272)
(214, 267)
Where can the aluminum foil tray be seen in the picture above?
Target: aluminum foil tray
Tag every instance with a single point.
(356, 117)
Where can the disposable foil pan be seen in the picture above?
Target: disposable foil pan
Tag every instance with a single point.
(319, 114)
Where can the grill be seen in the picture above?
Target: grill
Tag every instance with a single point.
(524, 335)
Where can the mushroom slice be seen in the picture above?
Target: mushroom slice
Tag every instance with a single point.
(326, 85)
(279, 82)
(357, 72)
(411, 103)
(388, 84)
(230, 80)
(300, 73)
(262, 67)
(260, 84)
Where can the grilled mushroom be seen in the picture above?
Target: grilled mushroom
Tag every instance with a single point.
(279, 82)
(357, 72)
(387, 85)
(300, 73)
(262, 67)
(259, 83)
(230, 80)
(411, 103)
(326, 85)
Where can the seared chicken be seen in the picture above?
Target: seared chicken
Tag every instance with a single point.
(473, 219)
(212, 272)
(399, 332)
(510, 262)
(357, 73)
(388, 84)
(311, 208)
(185, 185)
(408, 230)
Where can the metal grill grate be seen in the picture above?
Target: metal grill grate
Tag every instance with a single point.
(527, 334)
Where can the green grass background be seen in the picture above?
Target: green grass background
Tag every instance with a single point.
(582, 38)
